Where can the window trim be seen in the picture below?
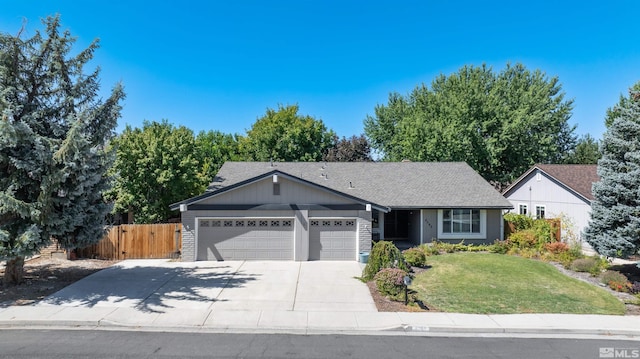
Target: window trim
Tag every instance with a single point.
(483, 226)
(544, 210)
(526, 208)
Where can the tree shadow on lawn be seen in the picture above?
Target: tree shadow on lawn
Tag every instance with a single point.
(152, 289)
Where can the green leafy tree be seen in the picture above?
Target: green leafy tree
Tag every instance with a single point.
(586, 152)
(156, 165)
(353, 149)
(499, 123)
(53, 135)
(214, 149)
(614, 229)
(284, 135)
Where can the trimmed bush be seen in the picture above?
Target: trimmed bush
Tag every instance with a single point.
(414, 257)
(384, 254)
(390, 281)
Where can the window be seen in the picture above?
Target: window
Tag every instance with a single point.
(462, 223)
(276, 189)
(540, 211)
(523, 209)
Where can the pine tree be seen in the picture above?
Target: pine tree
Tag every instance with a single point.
(53, 136)
(614, 229)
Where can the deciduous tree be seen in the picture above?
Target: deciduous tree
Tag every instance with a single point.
(156, 165)
(214, 149)
(352, 149)
(284, 135)
(53, 135)
(499, 123)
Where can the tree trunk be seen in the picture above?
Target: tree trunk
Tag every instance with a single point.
(14, 271)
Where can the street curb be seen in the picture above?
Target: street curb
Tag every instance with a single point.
(399, 330)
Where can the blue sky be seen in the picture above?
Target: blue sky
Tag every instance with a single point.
(217, 65)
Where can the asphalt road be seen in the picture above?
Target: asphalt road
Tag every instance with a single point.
(131, 344)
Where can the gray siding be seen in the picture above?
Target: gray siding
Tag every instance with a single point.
(494, 225)
(261, 192)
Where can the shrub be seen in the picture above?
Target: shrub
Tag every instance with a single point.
(556, 247)
(523, 239)
(414, 257)
(500, 247)
(592, 265)
(519, 221)
(616, 281)
(584, 264)
(384, 254)
(429, 249)
(390, 281)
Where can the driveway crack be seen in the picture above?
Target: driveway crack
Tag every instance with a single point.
(295, 295)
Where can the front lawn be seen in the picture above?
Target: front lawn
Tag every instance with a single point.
(499, 284)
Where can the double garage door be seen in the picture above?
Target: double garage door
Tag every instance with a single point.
(273, 239)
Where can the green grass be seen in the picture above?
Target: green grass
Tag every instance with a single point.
(499, 284)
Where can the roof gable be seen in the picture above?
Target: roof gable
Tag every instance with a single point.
(575, 178)
(389, 184)
(222, 190)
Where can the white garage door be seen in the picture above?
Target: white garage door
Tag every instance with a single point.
(241, 238)
(332, 239)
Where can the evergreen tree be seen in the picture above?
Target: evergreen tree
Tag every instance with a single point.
(614, 229)
(53, 136)
(586, 152)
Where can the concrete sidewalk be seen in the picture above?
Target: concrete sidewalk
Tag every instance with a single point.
(263, 321)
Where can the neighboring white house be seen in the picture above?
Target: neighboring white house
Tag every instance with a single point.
(548, 191)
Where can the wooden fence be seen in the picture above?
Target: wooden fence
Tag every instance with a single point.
(556, 227)
(137, 241)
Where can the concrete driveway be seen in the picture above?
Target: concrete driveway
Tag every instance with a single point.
(159, 286)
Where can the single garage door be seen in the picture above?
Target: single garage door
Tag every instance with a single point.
(332, 239)
(241, 238)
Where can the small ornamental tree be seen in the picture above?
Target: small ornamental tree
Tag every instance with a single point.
(54, 132)
(614, 229)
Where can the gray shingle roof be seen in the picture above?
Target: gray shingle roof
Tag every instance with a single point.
(392, 184)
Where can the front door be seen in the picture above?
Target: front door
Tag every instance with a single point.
(396, 224)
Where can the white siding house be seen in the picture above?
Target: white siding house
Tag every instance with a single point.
(551, 191)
